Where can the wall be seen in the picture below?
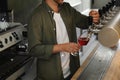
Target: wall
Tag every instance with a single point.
(85, 4)
(22, 9)
(99, 3)
(73, 2)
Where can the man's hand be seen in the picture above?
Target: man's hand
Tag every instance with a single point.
(67, 47)
(95, 16)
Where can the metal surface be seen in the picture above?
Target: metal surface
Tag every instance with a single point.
(98, 64)
(110, 34)
(11, 36)
(13, 59)
(22, 9)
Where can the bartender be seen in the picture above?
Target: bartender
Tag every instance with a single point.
(52, 38)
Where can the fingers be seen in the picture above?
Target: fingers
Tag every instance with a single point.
(95, 16)
(95, 20)
(93, 12)
(71, 47)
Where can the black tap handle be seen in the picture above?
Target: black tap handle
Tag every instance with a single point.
(100, 12)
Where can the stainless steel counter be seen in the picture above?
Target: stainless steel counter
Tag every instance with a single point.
(99, 63)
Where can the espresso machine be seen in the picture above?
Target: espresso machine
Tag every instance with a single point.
(14, 60)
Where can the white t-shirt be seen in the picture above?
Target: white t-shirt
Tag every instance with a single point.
(62, 37)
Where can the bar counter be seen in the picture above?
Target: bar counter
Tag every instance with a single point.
(102, 64)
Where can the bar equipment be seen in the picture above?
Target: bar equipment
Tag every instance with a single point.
(14, 60)
(110, 34)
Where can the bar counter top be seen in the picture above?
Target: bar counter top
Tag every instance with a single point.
(108, 69)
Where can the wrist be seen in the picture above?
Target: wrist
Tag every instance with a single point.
(57, 48)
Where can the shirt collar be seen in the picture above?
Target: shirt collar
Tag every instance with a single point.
(49, 9)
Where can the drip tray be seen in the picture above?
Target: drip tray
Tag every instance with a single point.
(98, 64)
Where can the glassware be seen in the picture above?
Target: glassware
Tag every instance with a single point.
(74, 54)
(83, 40)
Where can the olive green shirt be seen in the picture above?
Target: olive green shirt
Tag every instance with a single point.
(42, 38)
